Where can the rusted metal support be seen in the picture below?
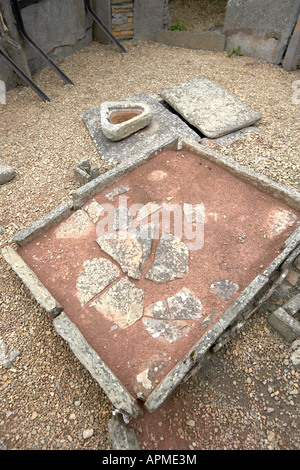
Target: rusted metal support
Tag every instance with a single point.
(102, 26)
(16, 6)
(22, 75)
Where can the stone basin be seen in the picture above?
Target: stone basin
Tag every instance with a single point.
(121, 119)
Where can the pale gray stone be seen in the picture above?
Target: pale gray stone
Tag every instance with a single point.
(98, 273)
(121, 436)
(167, 330)
(130, 249)
(7, 173)
(285, 324)
(164, 127)
(185, 305)
(119, 131)
(209, 108)
(31, 281)
(171, 260)
(158, 310)
(75, 225)
(122, 303)
(7, 359)
(224, 289)
(94, 209)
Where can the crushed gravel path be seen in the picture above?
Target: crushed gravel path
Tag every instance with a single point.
(247, 397)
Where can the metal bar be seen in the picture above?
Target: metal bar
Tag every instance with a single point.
(19, 20)
(24, 77)
(102, 26)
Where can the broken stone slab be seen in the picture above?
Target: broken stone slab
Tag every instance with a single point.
(121, 436)
(43, 224)
(224, 289)
(171, 260)
(97, 275)
(176, 375)
(111, 385)
(7, 173)
(164, 126)
(31, 281)
(292, 306)
(117, 192)
(121, 119)
(129, 249)
(210, 108)
(74, 226)
(122, 303)
(285, 324)
(84, 172)
(169, 330)
(94, 210)
(185, 305)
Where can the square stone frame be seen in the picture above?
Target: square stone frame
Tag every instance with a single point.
(250, 299)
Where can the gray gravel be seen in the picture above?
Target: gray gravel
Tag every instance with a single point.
(248, 398)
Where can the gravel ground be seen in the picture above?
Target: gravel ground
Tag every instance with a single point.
(247, 397)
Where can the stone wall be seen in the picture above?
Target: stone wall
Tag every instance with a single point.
(122, 19)
(261, 29)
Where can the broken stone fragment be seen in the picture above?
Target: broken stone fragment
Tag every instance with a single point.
(74, 226)
(7, 173)
(185, 305)
(122, 303)
(97, 275)
(84, 172)
(130, 249)
(94, 209)
(168, 330)
(171, 260)
(121, 119)
(224, 289)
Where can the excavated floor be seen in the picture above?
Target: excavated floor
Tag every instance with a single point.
(141, 303)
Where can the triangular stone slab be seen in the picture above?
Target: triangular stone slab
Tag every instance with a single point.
(209, 108)
(121, 119)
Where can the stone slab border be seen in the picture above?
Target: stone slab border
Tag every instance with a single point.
(31, 281)
(221, 332)
(107, 380)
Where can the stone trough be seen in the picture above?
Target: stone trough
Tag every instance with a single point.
(157, 262)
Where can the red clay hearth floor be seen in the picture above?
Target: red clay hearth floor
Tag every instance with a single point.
(140, 305)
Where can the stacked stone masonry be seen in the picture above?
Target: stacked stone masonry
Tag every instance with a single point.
(122, 19)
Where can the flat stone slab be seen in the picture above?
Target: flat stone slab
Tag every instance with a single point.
(163, 127)
(209, 108)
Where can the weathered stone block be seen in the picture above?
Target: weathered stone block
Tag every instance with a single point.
(206, 40)
(7, 173)
(209, 108)
(38, 290)
(292, 55)
(148, 19)
(261, 29)
(121, 436)
(286, 325)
